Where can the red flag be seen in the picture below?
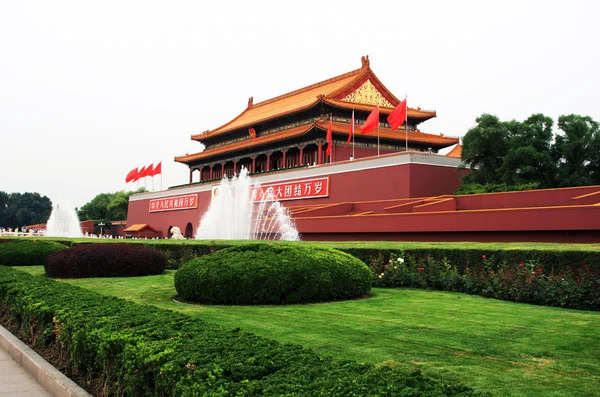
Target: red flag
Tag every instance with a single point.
(351, 130)
(371, 122)
(141, 173)
(398, 116)
(132, 175)
(158, 169)
(149, 171)
(252, 132)
(329, 136)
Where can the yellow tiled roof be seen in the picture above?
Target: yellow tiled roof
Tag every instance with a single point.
(138, 227)
(456, 152)
(338, 128)
(279, 106)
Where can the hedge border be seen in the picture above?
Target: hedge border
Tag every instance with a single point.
(124, 348)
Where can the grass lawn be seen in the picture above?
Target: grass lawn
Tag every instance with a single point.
(507, 348)
(395, 245)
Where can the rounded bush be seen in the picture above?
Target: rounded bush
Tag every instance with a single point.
(105, 260)
(269, 273)
(28, 252)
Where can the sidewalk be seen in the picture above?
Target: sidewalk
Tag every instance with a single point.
(24, 373)
(15, 381)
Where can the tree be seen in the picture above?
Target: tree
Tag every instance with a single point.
(484, 147)
(576, 151)
(22, 209)
(3, 206)
(528, 159)
(518, 155)
(107, 207)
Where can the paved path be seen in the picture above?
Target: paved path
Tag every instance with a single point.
(15, 381)
(24, 373)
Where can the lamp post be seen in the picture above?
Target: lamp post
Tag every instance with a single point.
(101, 224)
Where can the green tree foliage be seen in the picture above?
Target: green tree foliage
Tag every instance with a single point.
(22, 209)
(576, 151)
(515, 155)
(528, 159)
(484, 147)
(107, 207)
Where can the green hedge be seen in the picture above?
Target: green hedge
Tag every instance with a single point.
(272, 273)
(105, 260)
(128, 349)
(28, 252)
(508, 278)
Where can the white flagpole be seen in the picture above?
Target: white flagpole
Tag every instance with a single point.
(352, 134)
(378, 137)
(331, 122)
(406, 121)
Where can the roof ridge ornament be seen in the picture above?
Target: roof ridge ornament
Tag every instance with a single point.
(250, 102)
(365, 61)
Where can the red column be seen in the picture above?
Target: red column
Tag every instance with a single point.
(234, 167)
(319, 152)
(211, 173)
(268, 167)
(253, 164)
(201, 169)
(222, 170)
(191, 175)
(301, 160)
(284, 165)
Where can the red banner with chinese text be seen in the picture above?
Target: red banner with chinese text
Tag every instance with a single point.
(189, 201)
(294, 190)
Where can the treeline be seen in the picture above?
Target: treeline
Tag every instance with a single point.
(23, 209)
(519, 155)
(107, 207)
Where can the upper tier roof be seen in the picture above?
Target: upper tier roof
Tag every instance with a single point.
(359, 89)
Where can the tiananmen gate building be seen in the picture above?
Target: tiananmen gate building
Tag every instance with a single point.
(382, 185)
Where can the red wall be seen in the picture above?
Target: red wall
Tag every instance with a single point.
(430, 180)
(386, 183)
(544, 215)
(531, 198)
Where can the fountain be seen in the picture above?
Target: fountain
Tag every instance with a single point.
(236, 213)
(63, 221)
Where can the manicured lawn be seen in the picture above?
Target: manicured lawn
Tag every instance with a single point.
(507, 348)
(395, 245)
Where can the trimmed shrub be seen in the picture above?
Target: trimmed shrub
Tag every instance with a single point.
(105, 260)
(122, 348)
(525, 282)
(178, 253)
(269, 273)
(28, 252)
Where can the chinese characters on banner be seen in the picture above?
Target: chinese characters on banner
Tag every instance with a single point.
(295, 190)
(186, 202)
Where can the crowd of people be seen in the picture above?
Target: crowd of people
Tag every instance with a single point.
(21, 231)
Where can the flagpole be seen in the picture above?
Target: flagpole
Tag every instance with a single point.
(331, 154)
(406, 121)
(378, 137)
(352, 134)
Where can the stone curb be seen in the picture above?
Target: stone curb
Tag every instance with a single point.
(51, 379)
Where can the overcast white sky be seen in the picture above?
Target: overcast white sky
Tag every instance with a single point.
(90, 90)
